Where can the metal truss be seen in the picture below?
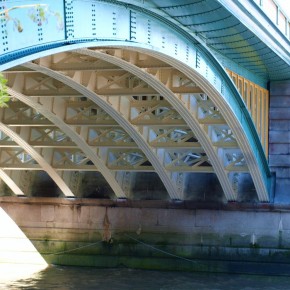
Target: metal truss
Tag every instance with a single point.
(183, 105)
(86, 113)
(128, 160)
(109, 137)
(218, 104)
(64, 135)
(142, 110)
(106, 106)
(109, 107)
(71, 160)
(187, 161)
(183, 128)
(222, 118)
(172, 137)
(29, 156)
(260, 181)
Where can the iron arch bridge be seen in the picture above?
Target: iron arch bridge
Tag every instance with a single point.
(122, 95)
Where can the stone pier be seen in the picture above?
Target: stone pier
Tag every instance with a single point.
(279, 138)
(156, 234)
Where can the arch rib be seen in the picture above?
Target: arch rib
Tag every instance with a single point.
(228, 115)
(188, 49)
(136, 136)
(41, 161)
(10, 183)
(181, 109)
(76, 139)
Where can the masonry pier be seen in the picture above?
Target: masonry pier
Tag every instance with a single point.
(156, 235)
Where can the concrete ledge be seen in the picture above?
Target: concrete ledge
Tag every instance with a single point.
(5, 201)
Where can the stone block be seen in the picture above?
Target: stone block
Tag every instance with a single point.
(279, 149)
(279, 125)
(279, 160)
(285, 240)
(231, 222)
(245, 223)
(47, 213)
(268, 221)
(149, 218)
(281, 172)
(177, 220)
(203, 218)
(282, 192)
(63, 214)
(96, 216)
(279, 101)
(24, 214)
(279, 137)
(280, 88)
(279, 113)
(124, 218)
(285, 221)
(82, 214)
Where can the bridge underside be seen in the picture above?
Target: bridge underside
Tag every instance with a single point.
(139, 108)
(118, 123)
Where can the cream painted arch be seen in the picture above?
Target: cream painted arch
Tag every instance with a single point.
(228, 115)
(136, 136)
(131, 22)
(41, 161)
(181, 109)
(10, 183)
(256, 163)
(81, 143)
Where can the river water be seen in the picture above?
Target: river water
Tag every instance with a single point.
(64, 278)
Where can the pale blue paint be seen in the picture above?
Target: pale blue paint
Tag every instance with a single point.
(127, 25)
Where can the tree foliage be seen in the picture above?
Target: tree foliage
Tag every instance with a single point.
(4, 96)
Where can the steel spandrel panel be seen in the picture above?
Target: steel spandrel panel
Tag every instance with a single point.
(29, 23)
(146, 30)
(100, 21)
(141, 28)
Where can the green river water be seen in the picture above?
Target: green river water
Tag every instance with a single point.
(56, 277)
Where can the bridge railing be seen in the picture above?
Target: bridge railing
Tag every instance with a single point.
(256, 99)
(276, 14)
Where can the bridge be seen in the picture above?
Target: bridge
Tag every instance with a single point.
(143, 104)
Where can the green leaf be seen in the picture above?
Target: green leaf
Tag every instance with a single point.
(4, 96)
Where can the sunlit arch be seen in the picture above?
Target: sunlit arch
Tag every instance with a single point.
(181, 109)
(37, 157)
(142, 144)
(75, 137)
(228, 115)
(11, 183)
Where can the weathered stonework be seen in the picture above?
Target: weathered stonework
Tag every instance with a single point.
(156, 234)
(279, 138)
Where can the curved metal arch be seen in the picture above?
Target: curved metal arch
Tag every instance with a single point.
(229, 116)
(255, 157)
(189, 50)
(41, 161)
(81, 143)
(140, 141)
(180, 108)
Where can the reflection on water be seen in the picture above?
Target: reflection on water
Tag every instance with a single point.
(123, 279)
(12, 272)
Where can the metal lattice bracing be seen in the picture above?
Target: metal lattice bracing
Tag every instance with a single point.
(156, 102)
(143, 101)
(67, 133)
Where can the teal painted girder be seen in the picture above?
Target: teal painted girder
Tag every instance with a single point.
(116, 23)
(221, 24)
